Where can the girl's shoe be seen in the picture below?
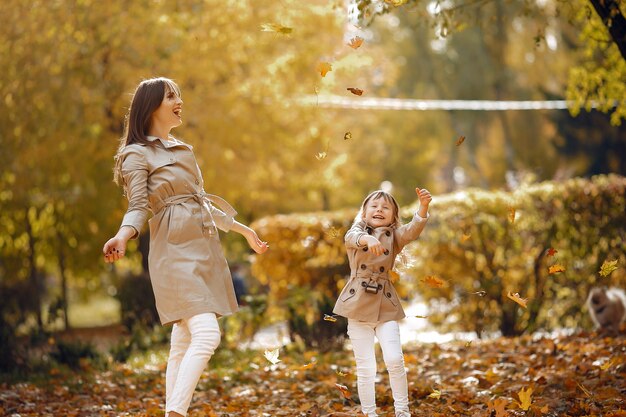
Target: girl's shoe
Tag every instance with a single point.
(403, 413)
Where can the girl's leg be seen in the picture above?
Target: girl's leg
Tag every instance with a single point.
(388, 334)
(362, 337)
(205, 337)
(179, 344)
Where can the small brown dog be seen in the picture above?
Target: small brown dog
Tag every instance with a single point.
(607, 307)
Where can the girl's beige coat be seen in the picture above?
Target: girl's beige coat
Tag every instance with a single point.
(354, 302)
(188, 270)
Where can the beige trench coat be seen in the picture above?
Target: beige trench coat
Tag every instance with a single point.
(368, 269)
(188, 270)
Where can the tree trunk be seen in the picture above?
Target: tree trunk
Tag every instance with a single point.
(33, 275)
(61, 257)
(614, 20)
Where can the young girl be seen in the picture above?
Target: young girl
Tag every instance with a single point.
(190, 277)
(369, 300)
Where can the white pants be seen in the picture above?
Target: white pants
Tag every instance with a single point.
(388, 335)
(192, 344)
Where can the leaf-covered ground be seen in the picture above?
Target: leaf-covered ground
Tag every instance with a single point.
(576, 375)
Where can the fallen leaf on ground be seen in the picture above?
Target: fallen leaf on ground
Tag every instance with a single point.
(552, 252)
(435, 394)
(497, 406)
(330, 318)
(344, 391)
(525, 396)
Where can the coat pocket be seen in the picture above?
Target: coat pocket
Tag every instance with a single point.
(349, 290)
(389, 293)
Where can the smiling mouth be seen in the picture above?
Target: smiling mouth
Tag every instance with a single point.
(178, 112)
(379, 217)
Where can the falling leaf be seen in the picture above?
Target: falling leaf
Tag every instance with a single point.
(274, 27)
(497, 405)
(556, 268)
(515, 297)
(608, 267)
(435, 394)
(354, 90)
(393, 276)
(465, 237)
(434, 282)
(585, 390)
(332, 233)
(347, 136)
(338, 372)
(355, 42)
(323, 68)
(552, 252)
(480, 293)
(396, 3)
(320, 155)
(330, 318)
(525, 397)
(308, 365)
(460, 140)
(272, 356)
(420, 317)
(344, 391)
(468, 344)
(512, 214)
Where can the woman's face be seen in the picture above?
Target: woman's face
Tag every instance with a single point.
(378, 213)
(169, 113)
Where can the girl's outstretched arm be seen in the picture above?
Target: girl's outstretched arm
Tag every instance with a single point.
(253, 240)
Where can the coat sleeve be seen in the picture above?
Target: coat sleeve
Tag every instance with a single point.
(352, 236)
(410, 231)
(222, 220)
(135, 176)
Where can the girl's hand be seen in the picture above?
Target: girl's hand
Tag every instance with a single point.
(255, 243)
(114, 249)
(374, 245)
(425, 199)
(424, 196)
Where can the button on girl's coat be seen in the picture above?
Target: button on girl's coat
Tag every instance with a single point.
(368, 294)
(188, 270)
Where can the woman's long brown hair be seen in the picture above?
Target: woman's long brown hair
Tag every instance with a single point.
(146, 99)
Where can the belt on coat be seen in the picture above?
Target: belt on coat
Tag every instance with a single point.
(202, 199)
(372, 275)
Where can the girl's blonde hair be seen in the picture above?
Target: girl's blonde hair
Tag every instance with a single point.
(375, 195)
(147, 98)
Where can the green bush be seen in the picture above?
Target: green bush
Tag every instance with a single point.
(472, 244)
(137, 301)
(71, 353)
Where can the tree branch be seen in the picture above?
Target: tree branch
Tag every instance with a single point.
(614, 20)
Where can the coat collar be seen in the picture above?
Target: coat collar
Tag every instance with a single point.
(168, 143)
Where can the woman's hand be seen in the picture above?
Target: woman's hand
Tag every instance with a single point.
(255, 243)
(115, 248)
(374, 245)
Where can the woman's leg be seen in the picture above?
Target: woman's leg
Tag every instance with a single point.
(362, 337)
(179, 343)
(388, 334)
(205, 337)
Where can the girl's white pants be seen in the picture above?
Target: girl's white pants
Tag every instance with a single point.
(388, 334)
(193, 342)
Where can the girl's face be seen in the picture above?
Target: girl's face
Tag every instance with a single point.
(169, 113)
(379, 213)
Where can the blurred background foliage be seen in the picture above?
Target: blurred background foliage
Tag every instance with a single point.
(70, 67)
